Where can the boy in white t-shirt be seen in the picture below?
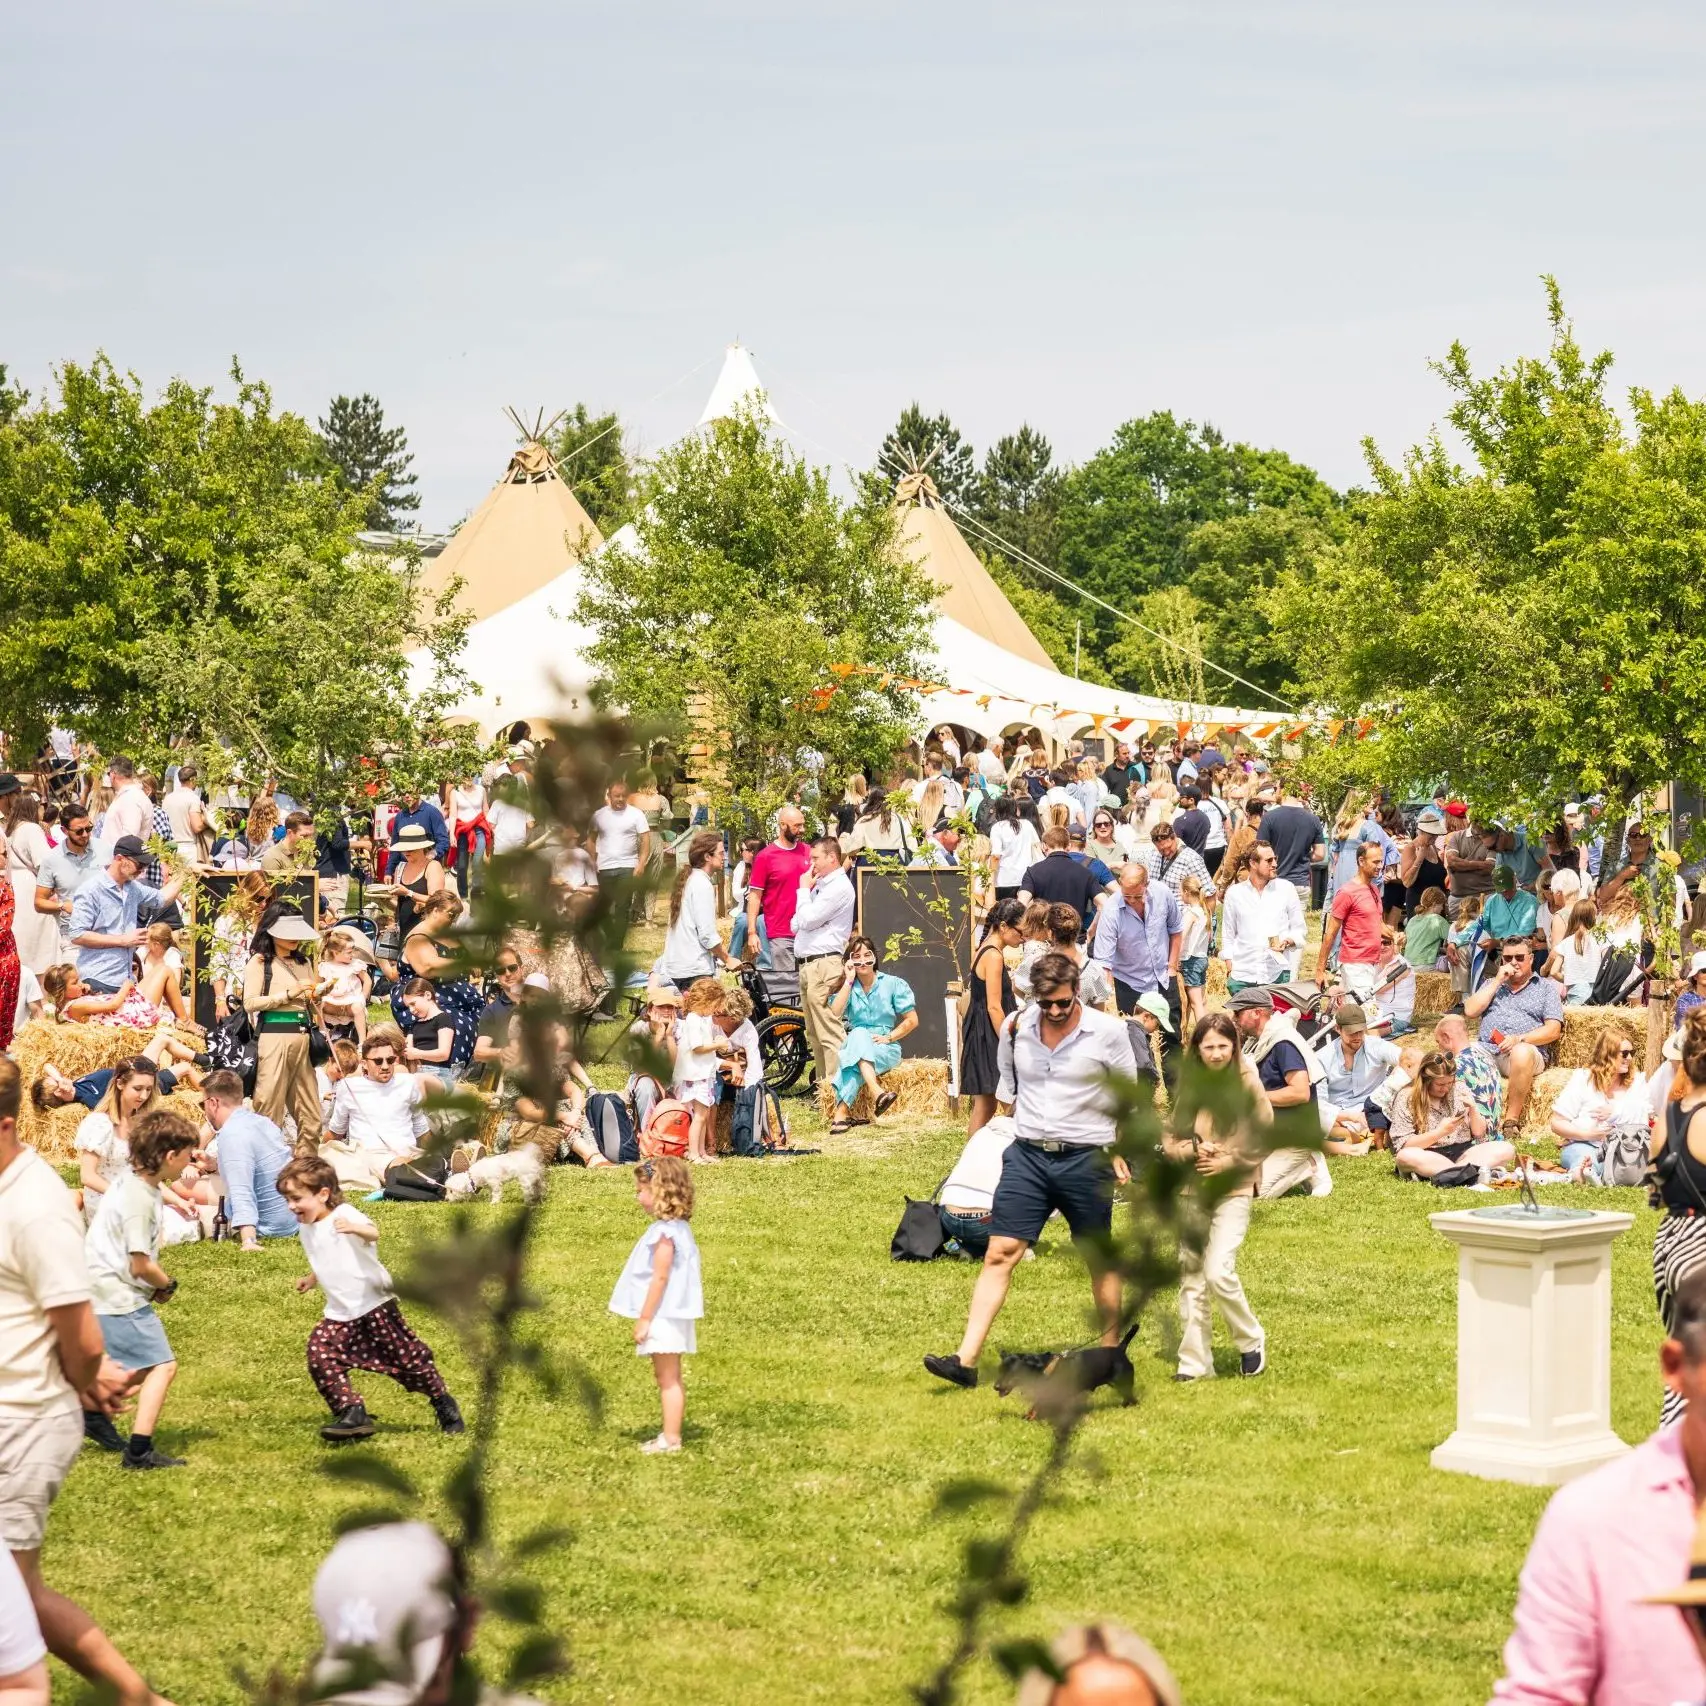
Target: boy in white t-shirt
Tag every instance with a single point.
(362, 1326)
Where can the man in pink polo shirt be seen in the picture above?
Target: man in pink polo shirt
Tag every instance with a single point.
(1607, 1543)
(773, 889)
(1353, 921)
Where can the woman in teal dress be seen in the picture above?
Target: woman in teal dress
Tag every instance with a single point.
(878, 1011)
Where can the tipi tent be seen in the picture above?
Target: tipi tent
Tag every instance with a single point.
(530, 529)
(737, 383)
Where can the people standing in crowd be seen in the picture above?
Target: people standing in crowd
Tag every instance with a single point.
(413, 812)
(1104, 845)
(773, 892)
(1194, 911)
(1469, 853)
(623, 849)
(989, 999)
(1201, 1131)
(1170, 861)
(1057, 1062)
(1262, 929)
(1354, 918)
(880, 834)
(992, 762)
(280, 987)
(1057, 876)
(1607, 1095)
(64, 871)
(130, 811)
(822, 924)
(1138, 939)
(105, 914)
(1679, 1246)
(694, 947)
(188, 818)
(1610, 1543)
(1421, 864)
(53, 1363)
(1297, 838)
(27, 850)
(738, 882)
(470, 825)
(11, 966)
(1013, 848)
(878, 1012)
(1521, 1018)
(252, 1153)
(647, 797)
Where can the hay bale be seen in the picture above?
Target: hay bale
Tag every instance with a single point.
(75, 1050)
(920, 1085)
(1433, 991)
(1583, 1025)
(1215, 986)
(1547, 1088)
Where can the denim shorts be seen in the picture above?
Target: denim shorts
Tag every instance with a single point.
(1194, 971)
(1078, 1181)
(136, 1340)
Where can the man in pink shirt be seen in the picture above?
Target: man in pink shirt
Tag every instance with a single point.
(131, 811)
(1353, 921)
(773, 889)
(1607, 1542)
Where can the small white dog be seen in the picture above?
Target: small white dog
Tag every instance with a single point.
(490, 1172)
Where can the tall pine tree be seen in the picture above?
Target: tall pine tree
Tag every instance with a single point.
(914, 438)
(371, 457)
(594, 462)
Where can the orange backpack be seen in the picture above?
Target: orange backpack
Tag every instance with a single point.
(667, 1128)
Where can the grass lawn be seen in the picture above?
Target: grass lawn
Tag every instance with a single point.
(1280, 1539)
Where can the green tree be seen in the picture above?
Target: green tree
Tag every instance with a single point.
(1127, 514)
(1167, 659)
(1533, 624)
(1017, 496)
(13, 398)
(934, 439)
(592, 457)
(371, 458)
(749, 583)
(187, 570)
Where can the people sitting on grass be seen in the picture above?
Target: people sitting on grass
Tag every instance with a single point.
(103, 1149)
(1607, 1095)
(1436, 1127)
(252, 1152)
(431, 1035)
(1521, 1018)
(1477, 1070)
(377, 1119)
(1356, 1066)
(553, 1121)
(879, 1011)
(1287, 1070)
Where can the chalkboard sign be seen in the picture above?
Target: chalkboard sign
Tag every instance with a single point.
(924, 912)
(211, 894)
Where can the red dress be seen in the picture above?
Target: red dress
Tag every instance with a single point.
(8, 964)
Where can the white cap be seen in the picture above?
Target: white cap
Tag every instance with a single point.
(536, 980)
(1698, 964)
(1573, 808)
(385, 1596)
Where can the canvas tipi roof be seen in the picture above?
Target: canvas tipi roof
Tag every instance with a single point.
(965, 590)
(737, 383)
(530, 529)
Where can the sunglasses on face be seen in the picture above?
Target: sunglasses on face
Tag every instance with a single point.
(382, 1060)
(1057, 1004)
(1512, 959)
(1625, 1054)
(506, 971)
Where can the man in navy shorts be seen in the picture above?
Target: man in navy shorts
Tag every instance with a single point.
(1056, 1058)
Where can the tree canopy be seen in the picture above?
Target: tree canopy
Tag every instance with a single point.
(1529, 623)
(186, 571)
(920, 438)
(371, 458)
(749, 583)
(592, 457)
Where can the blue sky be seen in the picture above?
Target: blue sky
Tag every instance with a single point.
(1270, 216)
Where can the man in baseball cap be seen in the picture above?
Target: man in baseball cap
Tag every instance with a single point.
(105, 916)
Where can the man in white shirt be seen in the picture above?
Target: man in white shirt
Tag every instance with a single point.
(623, 841)
(131, 812)
(992, 762)
(1056, 1058)
(1261, 925)
(53, 1367)
(1060, 794)
(376, 1119)
(823, 920)
(183, 809)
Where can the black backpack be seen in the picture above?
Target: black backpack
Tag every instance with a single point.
(759, 1126)
(611, 1122)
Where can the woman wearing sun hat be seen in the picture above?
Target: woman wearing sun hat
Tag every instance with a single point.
(280, 987)
(417, 872)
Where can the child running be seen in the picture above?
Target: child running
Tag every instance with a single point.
(126, 1279)
(660, 1289)
(362, 1327)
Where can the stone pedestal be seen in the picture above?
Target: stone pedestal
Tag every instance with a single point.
(1533, 1343)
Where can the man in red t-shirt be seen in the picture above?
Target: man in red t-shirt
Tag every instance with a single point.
(773, 889)
(1353, 921)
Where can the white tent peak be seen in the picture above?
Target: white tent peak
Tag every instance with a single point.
(737, 383)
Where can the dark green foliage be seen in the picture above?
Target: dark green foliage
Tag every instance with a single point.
(370, 458)
(594, 461)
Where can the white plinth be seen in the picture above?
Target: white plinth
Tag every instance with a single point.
(1533, 1347)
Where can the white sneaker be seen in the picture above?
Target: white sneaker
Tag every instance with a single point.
(659, 1447)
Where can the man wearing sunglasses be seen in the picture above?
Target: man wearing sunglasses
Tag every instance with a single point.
(1056, 1060)
(67, 869)
(1521, 1019)
(1594, 1609)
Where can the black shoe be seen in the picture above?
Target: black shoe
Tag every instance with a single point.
(952, 1370)
(353, 1422)
(449, 1414)
(98, 1429)
(1254, 1362)
(202, 1062)
(150, 1459)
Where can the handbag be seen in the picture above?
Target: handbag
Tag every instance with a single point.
(1627, 1156)
(919, 1237)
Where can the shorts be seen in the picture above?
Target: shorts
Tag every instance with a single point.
(1548, 1056)
(700, 1091)
(36, 1454)
(670, 1336)
(1194, 971)
(1078, 1181)
(1359, 979)
(136, 1340)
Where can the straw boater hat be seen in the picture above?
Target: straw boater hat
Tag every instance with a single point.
(411, 838)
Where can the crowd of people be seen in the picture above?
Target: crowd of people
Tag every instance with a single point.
(1105, 893)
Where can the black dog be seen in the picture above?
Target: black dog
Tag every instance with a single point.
(1075, 1373)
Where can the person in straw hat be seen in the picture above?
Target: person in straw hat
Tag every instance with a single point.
(1591, 1624)
(280, 987)
(416, 872)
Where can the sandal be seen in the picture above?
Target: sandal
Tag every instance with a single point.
(840, 1128)
(883, 1103)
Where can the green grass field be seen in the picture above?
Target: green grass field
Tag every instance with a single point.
(1280, 1539)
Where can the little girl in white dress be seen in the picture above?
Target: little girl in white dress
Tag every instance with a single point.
(660, 1289)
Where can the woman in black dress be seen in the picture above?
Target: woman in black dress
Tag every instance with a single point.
(991, 1002)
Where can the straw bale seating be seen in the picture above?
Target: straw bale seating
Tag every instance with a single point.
(920, 1085)
(1582, 1026)
(76, 1050)
(1433, 991)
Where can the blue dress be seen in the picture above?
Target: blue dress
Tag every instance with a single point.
(870, 1012)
